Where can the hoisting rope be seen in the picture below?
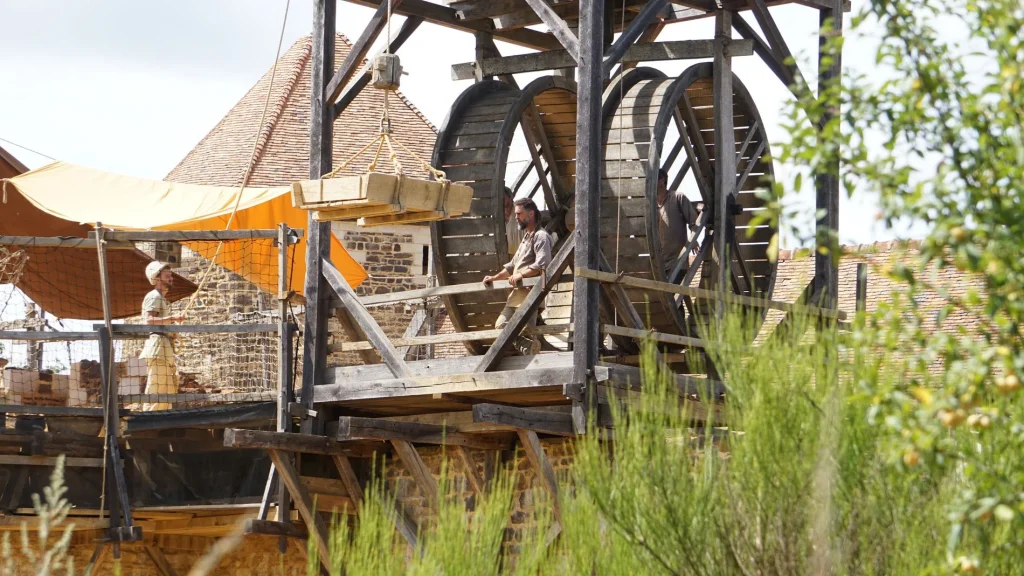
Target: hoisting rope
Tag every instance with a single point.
(249, 166)
(384, 137)
(618, 197)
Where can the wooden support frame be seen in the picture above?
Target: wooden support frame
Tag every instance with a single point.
(586, 293)
(448, 17)
(725, 139)
(542, 421)
(358, 52)
(709, 294)
(557, 26)
(630, 35)
(558, 59)
(314, 523)
(355, 88)
(355, 428)
(389, 354)
(284, 441)
(159, 560)
(529, 306)
(535, 453)
(473, 478)
(826, 255)
(465, 383)
(418, 469)
(318, 243)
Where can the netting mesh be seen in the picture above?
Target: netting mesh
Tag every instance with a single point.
(57, 289)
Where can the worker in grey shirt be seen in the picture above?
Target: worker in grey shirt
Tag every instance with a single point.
(675, 213)
(531, 259)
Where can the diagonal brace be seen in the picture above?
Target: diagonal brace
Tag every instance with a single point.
(374, 334)
(357, 53)
(558, 27)
(518, 321)
(631, 34)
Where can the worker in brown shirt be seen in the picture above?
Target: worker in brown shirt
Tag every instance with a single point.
(531, 259)
(675, 214)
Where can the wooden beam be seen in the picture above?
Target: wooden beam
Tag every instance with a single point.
(318, 243)
(419, 318)
(436, 291)
(52, 410)
(419, 471)
(535, 453)
(118, 329)
(589, 149)
(631, 34)
(725, 140)
(45, 336)
(159, 560)
(271, 528)
(555, 59)
(552, 275)
(358, 52)
(542, 421)
(557, 26)
(207, 417)
(349, 478)
(708, 294)
(366, 322)
(99, 555)
(352, 331)
(473, 478)
(363, 78)
(285, 441)
(446, 384)
(448, 338)
(19, 460)
(641, 335)
(355, 428)
(187, 235)
(314, 523)
(826, 179)
(447, 17)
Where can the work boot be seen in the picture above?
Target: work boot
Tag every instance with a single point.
(527, 345)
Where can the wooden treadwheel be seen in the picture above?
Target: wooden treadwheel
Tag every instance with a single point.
(473, 146)
(645, 113)
(651, 122)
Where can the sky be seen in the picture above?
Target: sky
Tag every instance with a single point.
(131, 87)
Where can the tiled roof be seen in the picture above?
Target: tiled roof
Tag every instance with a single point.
(796, 269)
(282, 143)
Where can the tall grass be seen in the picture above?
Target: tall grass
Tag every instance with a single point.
(795, 478)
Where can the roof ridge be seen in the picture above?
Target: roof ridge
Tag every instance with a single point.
(212, 131)
(856, 249)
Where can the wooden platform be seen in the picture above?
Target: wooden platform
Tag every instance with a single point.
(451, 384)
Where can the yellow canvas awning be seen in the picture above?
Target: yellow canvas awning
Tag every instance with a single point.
(86, 195)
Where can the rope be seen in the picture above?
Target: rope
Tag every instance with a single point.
(248, 168)
(36, 152)
(618, 197)
(384, 137)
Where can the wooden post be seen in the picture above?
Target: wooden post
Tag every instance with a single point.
(862, 287)
(826, 262)
(285, 385)
(725, 146)
(318, 242)
(586, 293)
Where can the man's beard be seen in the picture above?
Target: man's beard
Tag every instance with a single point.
(522, 225)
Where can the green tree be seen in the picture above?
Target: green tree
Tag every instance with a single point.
(935, 132)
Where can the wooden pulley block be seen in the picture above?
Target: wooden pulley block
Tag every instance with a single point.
(386, 72)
